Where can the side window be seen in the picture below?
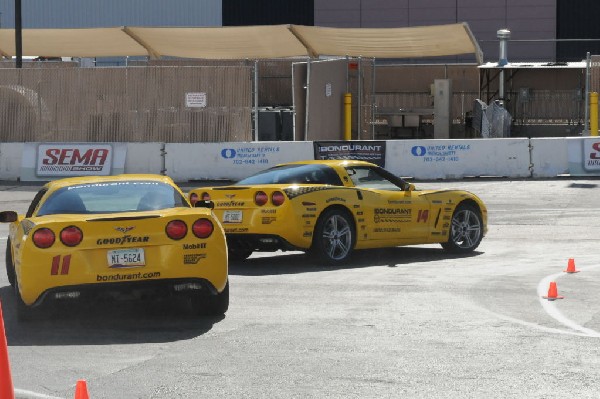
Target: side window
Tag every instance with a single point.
(35, 202)
(375, 178)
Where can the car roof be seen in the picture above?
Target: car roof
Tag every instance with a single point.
(331, 162)
(70, 181)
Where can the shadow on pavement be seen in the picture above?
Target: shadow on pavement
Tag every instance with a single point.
(281, 263)
(103, 323)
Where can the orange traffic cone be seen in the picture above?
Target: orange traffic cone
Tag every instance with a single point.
(552, 292)
(571, 266)
(6, 386)
(81, 391)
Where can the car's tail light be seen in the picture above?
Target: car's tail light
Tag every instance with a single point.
(71, 236)
(43, 238)
(202, 228)
(193, 198)
(277, 198)
(205, 196)
(261, 198)
(176, 229)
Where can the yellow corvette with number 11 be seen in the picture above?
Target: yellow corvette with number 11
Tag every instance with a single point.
(126, 236)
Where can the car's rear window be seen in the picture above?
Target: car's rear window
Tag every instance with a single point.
(112, 197)
(295, 174)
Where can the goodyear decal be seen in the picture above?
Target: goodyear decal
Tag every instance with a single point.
(332, 199)
(268, 219)
(128, 239)
(229, 204)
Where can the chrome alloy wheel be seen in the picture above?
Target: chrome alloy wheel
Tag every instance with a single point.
(337, 237)
(466, 229)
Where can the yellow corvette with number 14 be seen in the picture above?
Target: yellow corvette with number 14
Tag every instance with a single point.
(329, 208)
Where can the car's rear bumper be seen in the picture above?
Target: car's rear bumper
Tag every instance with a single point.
(135, 290)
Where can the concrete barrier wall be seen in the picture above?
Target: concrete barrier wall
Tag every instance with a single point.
(11, 155)
(549, 157)
(419, 159)
(200, 161)
(443, 159)
(144, 158)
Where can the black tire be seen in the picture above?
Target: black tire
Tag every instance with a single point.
(10, 266)
(238, 253)
(466, 229)
(211, 305)
(334, 237)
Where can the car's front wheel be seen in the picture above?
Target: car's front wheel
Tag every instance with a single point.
(334, 237)
(466, 230)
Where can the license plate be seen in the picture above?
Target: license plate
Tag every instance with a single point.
(124, 258)
(232, 217)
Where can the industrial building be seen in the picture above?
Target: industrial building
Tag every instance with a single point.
(542, 30)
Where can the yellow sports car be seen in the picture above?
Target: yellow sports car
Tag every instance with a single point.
(118, 237)
(329, 208)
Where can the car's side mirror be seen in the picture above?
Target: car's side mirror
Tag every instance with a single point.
(8, 216)
(409, 187)
(204, 204)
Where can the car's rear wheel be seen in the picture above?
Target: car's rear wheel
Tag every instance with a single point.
(466, 230)
(211, 305)
(334, 237)
(10, 266)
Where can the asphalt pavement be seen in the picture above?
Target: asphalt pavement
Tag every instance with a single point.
(410, 322)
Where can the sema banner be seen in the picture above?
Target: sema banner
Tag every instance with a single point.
(371, 151)
(73, 159)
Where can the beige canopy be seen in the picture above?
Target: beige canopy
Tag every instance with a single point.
(254, 42)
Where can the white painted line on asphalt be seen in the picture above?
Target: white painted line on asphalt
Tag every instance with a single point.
(23, 394)
(531, 325)
(552, 310)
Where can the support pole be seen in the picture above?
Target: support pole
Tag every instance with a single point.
(586, 120)
(347, 116)
(593, 113)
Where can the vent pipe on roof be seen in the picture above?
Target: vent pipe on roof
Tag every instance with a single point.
(503, 35)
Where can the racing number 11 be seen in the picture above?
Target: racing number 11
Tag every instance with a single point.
(56, 263)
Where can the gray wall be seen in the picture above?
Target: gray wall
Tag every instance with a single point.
(527, 20)
(107, 13)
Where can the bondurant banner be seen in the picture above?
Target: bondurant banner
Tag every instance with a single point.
(48, 161)
(370, 151)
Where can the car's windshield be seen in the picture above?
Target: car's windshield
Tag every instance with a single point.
(295, 174)
(112, 197)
